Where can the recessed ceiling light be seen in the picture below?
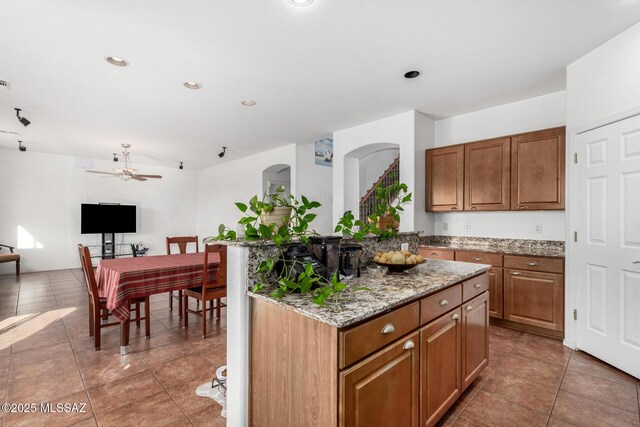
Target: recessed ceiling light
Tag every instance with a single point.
(248, 102)
(117, 61)
(411, 74)
(192, 85)
(301, 2)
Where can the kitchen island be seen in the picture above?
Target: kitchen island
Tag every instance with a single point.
(399, 354)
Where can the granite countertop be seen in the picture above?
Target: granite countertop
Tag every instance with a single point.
(385, 293)
(543, 248)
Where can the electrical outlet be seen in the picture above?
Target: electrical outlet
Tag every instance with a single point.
(538, 228)
(404, 246)
(467, 227)
(445, 226)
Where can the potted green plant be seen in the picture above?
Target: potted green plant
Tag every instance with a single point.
(385, 219)
(276, 208)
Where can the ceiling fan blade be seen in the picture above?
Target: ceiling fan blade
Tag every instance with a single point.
(104, 173)
(148, 176)
(138, 178)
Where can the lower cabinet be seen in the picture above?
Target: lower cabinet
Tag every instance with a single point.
(440, 366)
(475, 338)
(495, 292)
(383, 389)
(534, 298)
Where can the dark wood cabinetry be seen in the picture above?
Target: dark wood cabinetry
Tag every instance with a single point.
(445, 179)
(517, 172)
(440, 366)
(383, 387)
(475, 338)
(487, 175)
(538, 171)
(495, 292)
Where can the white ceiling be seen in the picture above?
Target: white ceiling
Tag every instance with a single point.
(313, 70)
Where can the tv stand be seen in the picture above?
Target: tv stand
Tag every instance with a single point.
(108, 245)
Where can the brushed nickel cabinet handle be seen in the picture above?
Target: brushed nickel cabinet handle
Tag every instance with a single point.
(515, 273)
(388, 328)
(532, 264)
(444, 302)
(473, 208)
(408, 345)
(477, 258)
(523, 207)
(469, 308)
(455, 317)
(477, 286)
(434, 254)
(454, 208)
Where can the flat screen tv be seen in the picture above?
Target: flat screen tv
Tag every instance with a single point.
(98, 219)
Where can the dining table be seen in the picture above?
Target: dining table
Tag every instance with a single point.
(120, 280)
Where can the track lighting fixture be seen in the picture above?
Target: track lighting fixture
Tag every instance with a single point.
(221, 154)
(115, 157)
(181, 166)
(21, 147)
(23, 120)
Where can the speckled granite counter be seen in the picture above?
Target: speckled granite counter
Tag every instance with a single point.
(389, 292)
(543, 248)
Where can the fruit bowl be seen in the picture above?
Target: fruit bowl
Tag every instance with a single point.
(398, 268)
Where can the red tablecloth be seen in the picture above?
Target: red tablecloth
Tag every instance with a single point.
(122, 279)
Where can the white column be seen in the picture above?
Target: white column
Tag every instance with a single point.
(237, 337)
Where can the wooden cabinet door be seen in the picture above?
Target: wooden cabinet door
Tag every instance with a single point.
(495, 292)
(534, 298)
(382, 389)
(538, 170)
(440, 366)
(444, 179)
(487, 175)
(475, 338)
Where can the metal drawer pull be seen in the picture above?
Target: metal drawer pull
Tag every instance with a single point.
(473, 208)
(469, 308)
(388, 328)
(454, 208)
(477, 286)
(455, 317)
(434, 254)
(477, 258)
(444, 302)
(515, 273)
(532, 264)
(523, 207)
(408, 345)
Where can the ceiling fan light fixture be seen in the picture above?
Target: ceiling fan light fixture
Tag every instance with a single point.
(119, 62)
(192, 85)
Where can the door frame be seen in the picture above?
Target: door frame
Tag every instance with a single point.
(571, 267)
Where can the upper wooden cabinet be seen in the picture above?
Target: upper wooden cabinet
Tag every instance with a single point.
(445, 179)
(487, 175)
(538, 170)
(518, 172)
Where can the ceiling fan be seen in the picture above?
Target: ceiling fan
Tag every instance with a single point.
(126, 173)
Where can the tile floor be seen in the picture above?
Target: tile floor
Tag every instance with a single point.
(46, 355)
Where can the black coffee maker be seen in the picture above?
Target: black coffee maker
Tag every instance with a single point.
(350, 260)
(295, 260)
(327, 250)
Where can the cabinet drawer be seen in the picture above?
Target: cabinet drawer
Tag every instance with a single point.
(475, 286)
(436, 253)
(479, 258)
(362, 340)
(549, 265)
(437, 304)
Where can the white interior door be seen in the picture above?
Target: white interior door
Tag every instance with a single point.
(608, 249)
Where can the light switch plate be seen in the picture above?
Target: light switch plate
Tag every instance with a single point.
(404, 246)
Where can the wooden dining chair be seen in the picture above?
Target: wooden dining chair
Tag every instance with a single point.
(213, 288)
(98, 310)
(182, 243)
